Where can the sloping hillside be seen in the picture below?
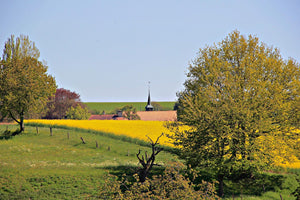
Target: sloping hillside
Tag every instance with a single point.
(39, 166)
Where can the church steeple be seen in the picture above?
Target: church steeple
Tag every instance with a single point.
(149, 107)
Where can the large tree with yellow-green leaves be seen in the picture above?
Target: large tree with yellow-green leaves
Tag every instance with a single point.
(236, 91)
(25, 85)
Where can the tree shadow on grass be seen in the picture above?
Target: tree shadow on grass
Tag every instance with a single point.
(238, 185)
(130, 170)
(257, 185)
(7, 134)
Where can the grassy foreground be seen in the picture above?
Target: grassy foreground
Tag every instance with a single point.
(40, 166)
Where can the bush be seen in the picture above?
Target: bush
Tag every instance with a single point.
(78, 113)
(170, 185)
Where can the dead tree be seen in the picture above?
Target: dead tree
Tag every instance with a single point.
(146, 161)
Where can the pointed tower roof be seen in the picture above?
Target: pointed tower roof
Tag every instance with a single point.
(149, 107)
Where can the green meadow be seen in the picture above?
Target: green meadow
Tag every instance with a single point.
(40, 166)
(36, 165)
(109, 107)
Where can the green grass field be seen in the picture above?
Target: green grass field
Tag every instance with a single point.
(39, 166)
(109, 107)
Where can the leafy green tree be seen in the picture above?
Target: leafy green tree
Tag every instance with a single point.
(235, 92)
(129, 112)
(24, 83)
(78, 113)
(157, 106)
(61, 102)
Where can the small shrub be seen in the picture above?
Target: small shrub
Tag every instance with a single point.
(78, 113)
(170, 185)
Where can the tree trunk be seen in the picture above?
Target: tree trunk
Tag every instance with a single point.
(221, 185)
(146, 161)
(22, 127)
(21, 122)
(143, 175)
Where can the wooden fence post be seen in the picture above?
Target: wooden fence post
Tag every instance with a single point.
(68, 135)
(82, 140)
(51, 134)
(108, 148)
(37, 130)
(97, 145)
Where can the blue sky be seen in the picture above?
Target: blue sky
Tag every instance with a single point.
(109, 50)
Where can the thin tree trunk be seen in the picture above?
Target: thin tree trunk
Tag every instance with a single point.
(22, 127)
(221, 185)
(21, 122)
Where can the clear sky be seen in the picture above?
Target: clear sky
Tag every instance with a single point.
(109, 50)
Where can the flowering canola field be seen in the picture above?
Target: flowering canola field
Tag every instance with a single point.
(132, 128)
(141, 129)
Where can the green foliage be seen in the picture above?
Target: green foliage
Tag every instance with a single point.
(129, 112)
(296, 191)
(235, 92)
(24, 83)
(170, 185)
(160, 106)
(61, 102)
(78, 113)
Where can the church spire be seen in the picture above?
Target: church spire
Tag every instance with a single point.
(149, 107)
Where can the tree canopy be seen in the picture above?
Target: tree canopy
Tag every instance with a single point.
(61, 102)
(235, 92)
(129, 112)
(25, 85)
(78, 113)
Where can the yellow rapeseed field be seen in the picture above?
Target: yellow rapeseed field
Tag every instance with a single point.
(132, 128)
(141, 129)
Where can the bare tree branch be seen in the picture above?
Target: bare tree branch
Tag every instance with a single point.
(148, 161)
